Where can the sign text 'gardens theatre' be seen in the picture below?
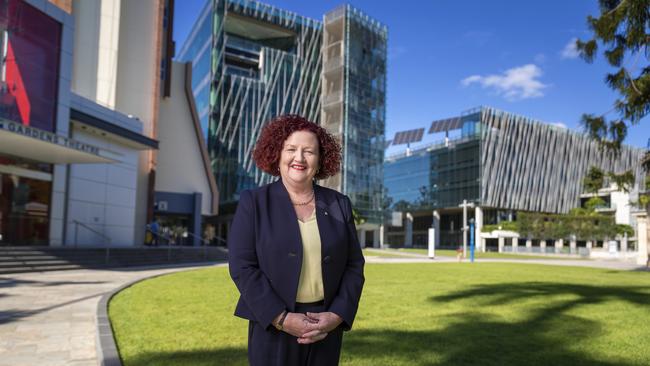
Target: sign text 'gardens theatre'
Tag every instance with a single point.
(42, 135)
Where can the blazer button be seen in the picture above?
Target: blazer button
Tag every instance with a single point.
(327, 259)
(292, 254)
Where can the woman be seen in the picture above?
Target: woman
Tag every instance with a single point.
(293, 250)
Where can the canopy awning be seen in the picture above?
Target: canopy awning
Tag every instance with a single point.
(47, 147)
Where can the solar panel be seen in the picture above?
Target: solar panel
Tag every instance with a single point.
(407, 137)
(446, 125)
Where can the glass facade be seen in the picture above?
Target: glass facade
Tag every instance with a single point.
(432, 178)
(354, 108)
(365, 113)
(29, 66)
(198, 50)
(407, 181)
(454, 174)
(29, 71)
(25, 195)
(264, 62)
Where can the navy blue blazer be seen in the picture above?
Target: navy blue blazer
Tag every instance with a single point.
(265, 253)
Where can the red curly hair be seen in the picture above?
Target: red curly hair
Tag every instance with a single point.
(277, 131)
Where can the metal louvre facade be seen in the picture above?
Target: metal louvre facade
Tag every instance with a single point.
(531, 166)
(265, 62)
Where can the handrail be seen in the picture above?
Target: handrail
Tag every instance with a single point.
(205, 242)
(76, 230)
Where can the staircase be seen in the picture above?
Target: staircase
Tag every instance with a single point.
(38, 259)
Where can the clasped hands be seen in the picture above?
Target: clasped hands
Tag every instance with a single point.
(311, 327)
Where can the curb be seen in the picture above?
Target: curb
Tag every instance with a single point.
(107, 353)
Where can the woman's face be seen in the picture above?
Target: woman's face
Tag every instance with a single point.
(299, 160)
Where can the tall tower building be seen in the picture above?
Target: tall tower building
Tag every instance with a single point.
(253, 61)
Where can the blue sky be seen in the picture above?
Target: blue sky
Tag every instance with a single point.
(445, 57)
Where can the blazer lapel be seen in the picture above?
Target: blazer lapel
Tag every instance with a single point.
(323, 218)
(285, 220)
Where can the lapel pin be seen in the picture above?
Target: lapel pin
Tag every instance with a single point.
(326, 213)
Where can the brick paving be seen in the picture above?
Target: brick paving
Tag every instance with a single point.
(49, 318)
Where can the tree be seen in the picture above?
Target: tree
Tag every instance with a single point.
(594, 180)
(358, 218)
(622, 30)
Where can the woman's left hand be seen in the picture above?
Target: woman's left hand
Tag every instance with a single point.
(325, 323)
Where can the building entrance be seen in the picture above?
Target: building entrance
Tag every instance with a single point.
(24, 209)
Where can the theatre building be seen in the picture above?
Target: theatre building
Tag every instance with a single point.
(80, 95)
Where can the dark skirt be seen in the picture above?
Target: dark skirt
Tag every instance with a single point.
(277, 348)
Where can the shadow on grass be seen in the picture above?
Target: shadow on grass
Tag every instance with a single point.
(503, 293)
(544, 334)
(217, 357)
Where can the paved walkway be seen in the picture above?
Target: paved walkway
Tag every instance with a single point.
(420, 258)
(48, 318)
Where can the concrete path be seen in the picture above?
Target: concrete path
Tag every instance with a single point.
(48, 318)
(420, 258)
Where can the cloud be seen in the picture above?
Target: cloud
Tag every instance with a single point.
(513, 84)
(570, 51)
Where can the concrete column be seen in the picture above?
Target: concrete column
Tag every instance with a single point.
(642, 237)
(559, 244)
(196, 220)
(589, 244)
(381, 236)
(478, 225)
(436, 227)
(529, 245)
(515, 244)
(408, 233)
(542, 246)
(375, 239)
(573, 245)
(501, 244)
(483, 242)
(624, 243)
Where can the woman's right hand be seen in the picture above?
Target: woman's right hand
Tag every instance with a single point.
(297, 324)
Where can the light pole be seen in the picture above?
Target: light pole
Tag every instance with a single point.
(465, 205)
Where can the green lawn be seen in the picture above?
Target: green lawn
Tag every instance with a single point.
(412, 314)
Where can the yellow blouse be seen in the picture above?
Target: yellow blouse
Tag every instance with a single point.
(310, 286)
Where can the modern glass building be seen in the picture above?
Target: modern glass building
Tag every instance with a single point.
(252, 62)
(500, 162)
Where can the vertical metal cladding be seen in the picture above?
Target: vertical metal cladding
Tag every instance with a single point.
(530, 166)
(286, 80)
